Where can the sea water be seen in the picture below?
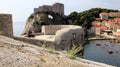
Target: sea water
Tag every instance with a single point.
(100, 53)
(18, 28)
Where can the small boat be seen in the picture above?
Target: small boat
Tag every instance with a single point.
(98, 44)
(110, 51)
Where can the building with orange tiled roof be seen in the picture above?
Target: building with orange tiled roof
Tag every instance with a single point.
(106, 23)
(98, 28)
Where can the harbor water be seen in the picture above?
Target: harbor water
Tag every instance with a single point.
(98, 50)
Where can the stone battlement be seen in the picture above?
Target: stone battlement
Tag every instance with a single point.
(6, 27)
(57, 8)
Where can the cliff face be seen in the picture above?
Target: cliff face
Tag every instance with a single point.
(35, 21)
(15, 53)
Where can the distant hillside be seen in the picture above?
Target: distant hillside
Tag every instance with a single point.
(79, 18)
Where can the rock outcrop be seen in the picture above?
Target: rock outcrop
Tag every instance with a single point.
(35, 21)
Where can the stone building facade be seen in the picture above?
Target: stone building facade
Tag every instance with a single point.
(57, 8)
(106, 16)
(6, 27)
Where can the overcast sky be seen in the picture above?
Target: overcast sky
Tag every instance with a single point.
(21, 9)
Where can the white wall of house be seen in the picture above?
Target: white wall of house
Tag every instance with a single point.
(104, 17)
(118, 30)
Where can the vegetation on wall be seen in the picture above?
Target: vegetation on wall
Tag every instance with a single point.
(75, 51)
(86, 17)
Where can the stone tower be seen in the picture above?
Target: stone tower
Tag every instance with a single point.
(6, 27)
(57, 8)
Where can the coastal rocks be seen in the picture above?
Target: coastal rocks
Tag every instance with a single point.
(35, 21)
(110, 51)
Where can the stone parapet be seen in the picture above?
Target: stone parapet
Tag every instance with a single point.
(6, 27)
(37, 42)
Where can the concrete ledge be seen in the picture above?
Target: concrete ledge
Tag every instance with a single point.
(37, 42)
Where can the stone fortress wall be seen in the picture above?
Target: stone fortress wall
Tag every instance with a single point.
(68, 36)
(52, 29)
(6, 27)
(57, 8)
(63, 36)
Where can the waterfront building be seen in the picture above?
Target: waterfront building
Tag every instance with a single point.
(105, 23)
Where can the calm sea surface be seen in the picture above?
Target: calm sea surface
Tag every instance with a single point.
(18, 28)
(100, 53)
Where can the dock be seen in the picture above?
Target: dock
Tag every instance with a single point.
(105, 37)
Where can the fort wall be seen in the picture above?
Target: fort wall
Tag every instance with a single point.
(33, 41)
(52, 29)
(64, 37)
(57, 8)
(6, 27)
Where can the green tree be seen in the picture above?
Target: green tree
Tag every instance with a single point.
(87, 16)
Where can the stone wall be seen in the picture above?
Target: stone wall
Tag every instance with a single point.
(6, 27)
(58, 8)
(52, 29)
(33, 41)
(65, 35)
